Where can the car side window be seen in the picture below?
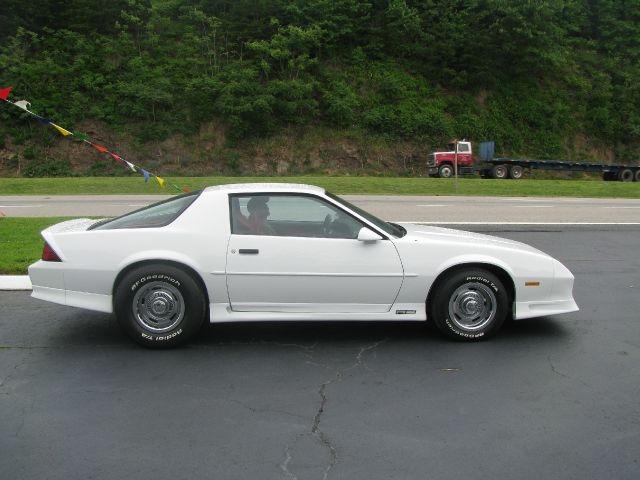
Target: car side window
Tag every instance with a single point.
(290, 216)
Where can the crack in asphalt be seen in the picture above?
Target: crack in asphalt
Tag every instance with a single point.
(554, 370)
(557, 372)
(284, 466)
(319, 434)
(316, 432)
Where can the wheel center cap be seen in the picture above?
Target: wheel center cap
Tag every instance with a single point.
(471, 305)
(159, 306)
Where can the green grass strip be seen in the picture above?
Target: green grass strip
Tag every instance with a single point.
(21, 243)
(341, 185)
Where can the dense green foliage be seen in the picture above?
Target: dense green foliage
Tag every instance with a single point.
(534, 75)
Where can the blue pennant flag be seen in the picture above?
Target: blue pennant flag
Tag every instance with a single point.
(146, 174)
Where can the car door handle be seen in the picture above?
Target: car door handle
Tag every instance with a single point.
(248, 251)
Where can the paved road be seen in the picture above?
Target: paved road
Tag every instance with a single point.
(397, 208)
(553, 398)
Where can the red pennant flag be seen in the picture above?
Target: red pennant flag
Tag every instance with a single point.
(99, 148)
(117, 158)
(185, 190)
(4, 93)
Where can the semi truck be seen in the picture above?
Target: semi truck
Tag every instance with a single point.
(443, 164)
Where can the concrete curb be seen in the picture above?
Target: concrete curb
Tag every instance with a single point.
(15, 282)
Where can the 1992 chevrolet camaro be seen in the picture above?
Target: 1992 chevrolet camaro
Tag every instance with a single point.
(252, 252)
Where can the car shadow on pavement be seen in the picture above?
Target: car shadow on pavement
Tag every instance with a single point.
(69, 327)
(358, 332)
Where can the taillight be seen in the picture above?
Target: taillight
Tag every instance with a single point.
(48, 255)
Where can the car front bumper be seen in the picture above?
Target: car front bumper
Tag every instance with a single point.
(560, 299)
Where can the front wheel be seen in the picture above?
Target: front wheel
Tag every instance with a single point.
(469, 305)
(445, 171)
(159, 306)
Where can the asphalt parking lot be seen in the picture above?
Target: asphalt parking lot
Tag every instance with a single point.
(552, 397)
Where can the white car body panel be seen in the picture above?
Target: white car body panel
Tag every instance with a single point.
(307, 275)
(292, 278)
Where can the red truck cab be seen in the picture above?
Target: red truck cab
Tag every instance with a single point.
(442, 164)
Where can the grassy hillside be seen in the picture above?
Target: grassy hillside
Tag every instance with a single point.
(315, 86)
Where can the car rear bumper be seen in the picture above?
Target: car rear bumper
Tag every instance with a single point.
(47, 279)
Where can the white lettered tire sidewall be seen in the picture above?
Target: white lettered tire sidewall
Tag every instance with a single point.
(480, 280)
(175, 287)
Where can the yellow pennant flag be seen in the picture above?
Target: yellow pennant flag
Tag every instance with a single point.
(61, 130)
(160, 181)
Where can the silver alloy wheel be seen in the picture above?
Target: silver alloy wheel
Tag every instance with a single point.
(472, 306)
(158, 306)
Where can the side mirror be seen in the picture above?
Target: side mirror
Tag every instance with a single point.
(366, 235)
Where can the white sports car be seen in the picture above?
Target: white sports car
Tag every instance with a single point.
(253, 252)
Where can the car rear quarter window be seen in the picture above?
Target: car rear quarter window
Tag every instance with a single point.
(157, 215)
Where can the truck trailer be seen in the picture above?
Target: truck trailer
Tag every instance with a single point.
(459, 155)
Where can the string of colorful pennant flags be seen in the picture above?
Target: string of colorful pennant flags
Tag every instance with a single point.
(25, 106)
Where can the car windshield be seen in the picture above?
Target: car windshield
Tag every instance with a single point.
(389, 228)
(157, 215)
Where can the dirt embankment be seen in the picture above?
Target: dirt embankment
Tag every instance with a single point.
(317, 151)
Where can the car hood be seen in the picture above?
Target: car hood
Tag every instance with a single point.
(448, 235)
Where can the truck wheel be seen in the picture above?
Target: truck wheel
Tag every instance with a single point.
(515, 172)
(445, 171)
(636, 176)
(625, 175)
(500, 172)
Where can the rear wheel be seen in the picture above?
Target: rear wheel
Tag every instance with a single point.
(636, 175)
(516, 172)
(469, 305)
(499, 171)
(445, 171)
(625, 175)
(159, 306)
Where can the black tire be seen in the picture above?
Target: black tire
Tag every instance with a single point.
(445, 171)
(499, 172)
(469, 305)
(176, 315)
(516, 172)
(625, 175)
(636, 176)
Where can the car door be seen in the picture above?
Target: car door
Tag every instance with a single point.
(306, 259)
